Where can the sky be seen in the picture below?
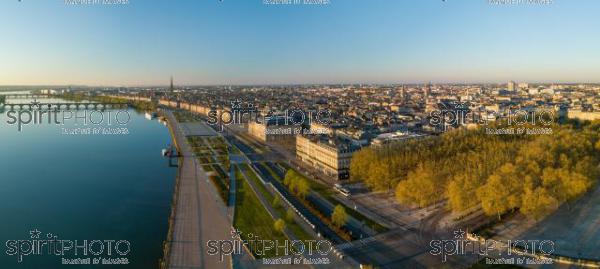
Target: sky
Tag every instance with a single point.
(231, 42)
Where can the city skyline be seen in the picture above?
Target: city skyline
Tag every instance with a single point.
(249, 43)
(177, 85)
(300, 133)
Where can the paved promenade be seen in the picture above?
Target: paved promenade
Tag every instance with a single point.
(199, 216)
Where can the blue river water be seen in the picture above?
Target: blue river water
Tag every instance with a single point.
(58, 183)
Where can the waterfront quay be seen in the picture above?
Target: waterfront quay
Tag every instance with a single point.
(198, 216)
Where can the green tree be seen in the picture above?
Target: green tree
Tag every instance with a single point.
(502, 192)
(461, 191)
(339, 217)
(361, 163)
(471, 168)
(290, 215)
(290, 176)
(381, 176)
(420, 188)
(538, 203)
(279, 225)
(276, 202)
(302, 187)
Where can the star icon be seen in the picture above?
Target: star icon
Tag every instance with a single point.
(236, 104)
(35, 234)
(35, 103)
(459, 234)
(235, 233)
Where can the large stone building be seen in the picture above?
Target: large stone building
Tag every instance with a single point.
(583, 115)
(330, 155)
(274, 129)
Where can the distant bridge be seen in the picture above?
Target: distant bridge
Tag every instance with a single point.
(63, 106)
(27, 96)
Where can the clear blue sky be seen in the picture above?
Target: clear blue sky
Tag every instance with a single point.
(246, 42)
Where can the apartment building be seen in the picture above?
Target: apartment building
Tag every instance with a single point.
(274, 129)
(330, 155)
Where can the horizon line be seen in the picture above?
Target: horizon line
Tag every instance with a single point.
(300, 84)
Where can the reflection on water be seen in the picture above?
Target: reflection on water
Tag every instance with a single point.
(85, 187)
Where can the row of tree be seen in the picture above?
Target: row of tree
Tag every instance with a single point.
(298, 184)
(500, 173)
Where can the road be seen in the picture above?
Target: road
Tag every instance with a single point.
(401, 248)
(355, 226)
(198, 217)
(320, 226)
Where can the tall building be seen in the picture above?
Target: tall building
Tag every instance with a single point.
(403, 92)
(427, 91)
(330, 155)
(511, 86)
(172, 88)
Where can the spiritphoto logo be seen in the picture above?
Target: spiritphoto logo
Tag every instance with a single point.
(463, 243)
(70, 251)
(458, 113)
(241, 112)
(297, 248)
(61, 114)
